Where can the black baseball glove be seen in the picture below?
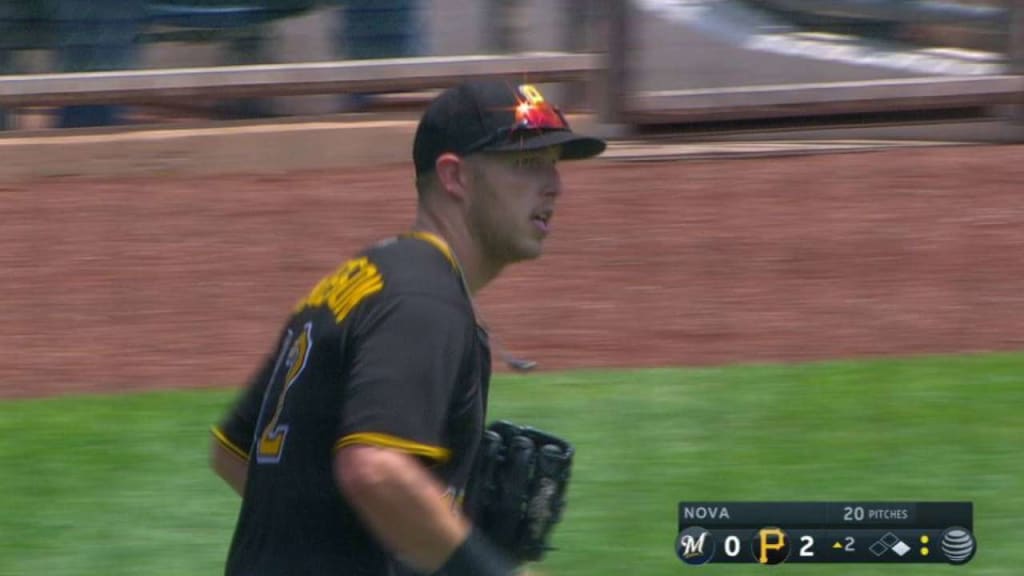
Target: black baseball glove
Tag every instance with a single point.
(517, 493)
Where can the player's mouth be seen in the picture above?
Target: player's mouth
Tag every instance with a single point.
(542, 220)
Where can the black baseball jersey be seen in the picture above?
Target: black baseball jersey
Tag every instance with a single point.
(385, 351)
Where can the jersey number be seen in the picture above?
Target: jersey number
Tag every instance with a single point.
(293, 358)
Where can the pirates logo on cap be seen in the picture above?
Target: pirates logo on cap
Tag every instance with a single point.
(533, 111)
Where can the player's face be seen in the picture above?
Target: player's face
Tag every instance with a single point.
(513, 202)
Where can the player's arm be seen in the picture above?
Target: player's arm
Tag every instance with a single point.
(230, 439)
(231, 467)
(409, 358)
(402, 503)
(406, 509)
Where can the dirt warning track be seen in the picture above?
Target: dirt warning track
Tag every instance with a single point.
(156, 282)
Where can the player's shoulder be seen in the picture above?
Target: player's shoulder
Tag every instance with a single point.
(400, 267)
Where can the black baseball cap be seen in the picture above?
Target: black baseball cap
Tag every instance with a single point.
(495, 115)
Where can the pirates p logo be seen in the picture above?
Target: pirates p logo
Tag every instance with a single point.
(533, 111)
(530, 94)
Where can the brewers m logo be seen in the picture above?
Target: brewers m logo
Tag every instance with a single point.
(695, 545)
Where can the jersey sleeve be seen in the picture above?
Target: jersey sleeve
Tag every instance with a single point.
(407, 358)
(235, 432)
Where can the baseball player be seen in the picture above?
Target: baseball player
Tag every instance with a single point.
(353, 446)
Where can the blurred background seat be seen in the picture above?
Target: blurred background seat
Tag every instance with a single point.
(241, 26)
(97, 35)
(24, 25)
(221, 14)
(369, 29)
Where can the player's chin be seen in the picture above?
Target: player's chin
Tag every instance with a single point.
(529, 249)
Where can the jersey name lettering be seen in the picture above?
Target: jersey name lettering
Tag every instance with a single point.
(341, 291)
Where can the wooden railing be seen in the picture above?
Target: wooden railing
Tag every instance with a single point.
(404, 74)
(605, 72)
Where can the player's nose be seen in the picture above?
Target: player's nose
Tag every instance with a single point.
(552, 186)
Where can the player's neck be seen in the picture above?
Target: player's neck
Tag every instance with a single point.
(475, 267)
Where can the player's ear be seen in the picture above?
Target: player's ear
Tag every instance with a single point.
(453, 174)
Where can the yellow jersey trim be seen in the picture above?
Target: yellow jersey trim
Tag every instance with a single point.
(227, 443)
(396, 443)
(437, 242)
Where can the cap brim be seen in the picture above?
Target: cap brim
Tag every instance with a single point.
(574, 146)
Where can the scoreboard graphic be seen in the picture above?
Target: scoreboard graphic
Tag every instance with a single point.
(834, 532)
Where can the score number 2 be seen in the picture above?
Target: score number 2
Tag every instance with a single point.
(808, 543)
(806, 550)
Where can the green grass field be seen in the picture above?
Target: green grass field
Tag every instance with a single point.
(118, 485)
